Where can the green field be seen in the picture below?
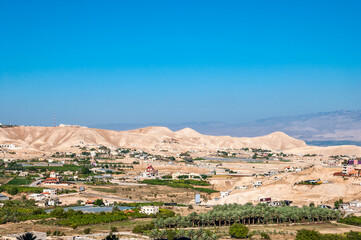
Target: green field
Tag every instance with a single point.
(17, 181)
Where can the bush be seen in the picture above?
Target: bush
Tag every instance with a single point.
(351, 220)
(238, 230)
(265, 236)
(304, 234)
(12, 190)
(140, 229)
(87, 230)
(165, 213)
(99, 202)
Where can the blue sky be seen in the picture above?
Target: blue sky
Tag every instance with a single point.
(176, 61)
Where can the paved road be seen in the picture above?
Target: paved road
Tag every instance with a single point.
(35, 183)
(112, 197)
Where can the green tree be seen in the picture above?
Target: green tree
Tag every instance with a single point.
(99, 202)
(238, 230)
(85, 170)
(12, 190)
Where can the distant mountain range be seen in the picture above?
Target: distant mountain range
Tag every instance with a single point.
(324, 128)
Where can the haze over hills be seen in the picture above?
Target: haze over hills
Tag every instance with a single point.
(51, 139)
(335, 128)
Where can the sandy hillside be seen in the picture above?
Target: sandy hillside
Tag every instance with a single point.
(62, 138)
(285, 189)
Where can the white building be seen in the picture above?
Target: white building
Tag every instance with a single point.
(149, 210)
(54, 174)
(36, 196)
(355, 204)
(52, 191)
(224, 194)
(257, 184)
(52, 201)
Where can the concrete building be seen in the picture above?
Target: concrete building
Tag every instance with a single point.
(149, 210)
(51, 191)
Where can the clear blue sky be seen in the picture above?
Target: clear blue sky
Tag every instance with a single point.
(175, 61)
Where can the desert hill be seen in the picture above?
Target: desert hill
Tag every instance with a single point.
(322, 127)
(50, 139)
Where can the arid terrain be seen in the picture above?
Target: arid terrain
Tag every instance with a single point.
(51, 139)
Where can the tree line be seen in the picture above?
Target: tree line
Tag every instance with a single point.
(226, 215)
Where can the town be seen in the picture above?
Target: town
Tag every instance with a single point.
(112, 184)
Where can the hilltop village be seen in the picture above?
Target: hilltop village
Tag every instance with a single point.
(64, 189)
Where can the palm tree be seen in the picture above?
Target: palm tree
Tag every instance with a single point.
(26, 236)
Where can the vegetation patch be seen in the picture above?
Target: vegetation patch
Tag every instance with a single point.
(19, 181)
(305, 234)
(351, 220)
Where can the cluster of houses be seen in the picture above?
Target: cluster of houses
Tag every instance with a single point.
(268, 200)
(292, 169)
(54, 179)
(9, 146)
(351, 206)
(47, 198)
(352, 168)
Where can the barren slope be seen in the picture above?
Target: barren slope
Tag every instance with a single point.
(61, 138)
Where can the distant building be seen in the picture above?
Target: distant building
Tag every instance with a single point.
(3, 197)
(197, 198)
(51, 181)
(257, 184)
(54, 174)
(51, 191)
(224, 194)
(151, 171)
(149, 210)
(348, 169)
(355, 204)
(265, 199)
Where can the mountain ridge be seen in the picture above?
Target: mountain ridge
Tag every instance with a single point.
(342, 125)
(51, 139)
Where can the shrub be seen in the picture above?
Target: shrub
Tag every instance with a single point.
(12, 190)
(87, 230)
(305, 234)
(265, 236)
(99, 202)
(165, 213)
(238, 230)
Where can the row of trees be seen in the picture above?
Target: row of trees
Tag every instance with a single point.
(226, 215)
